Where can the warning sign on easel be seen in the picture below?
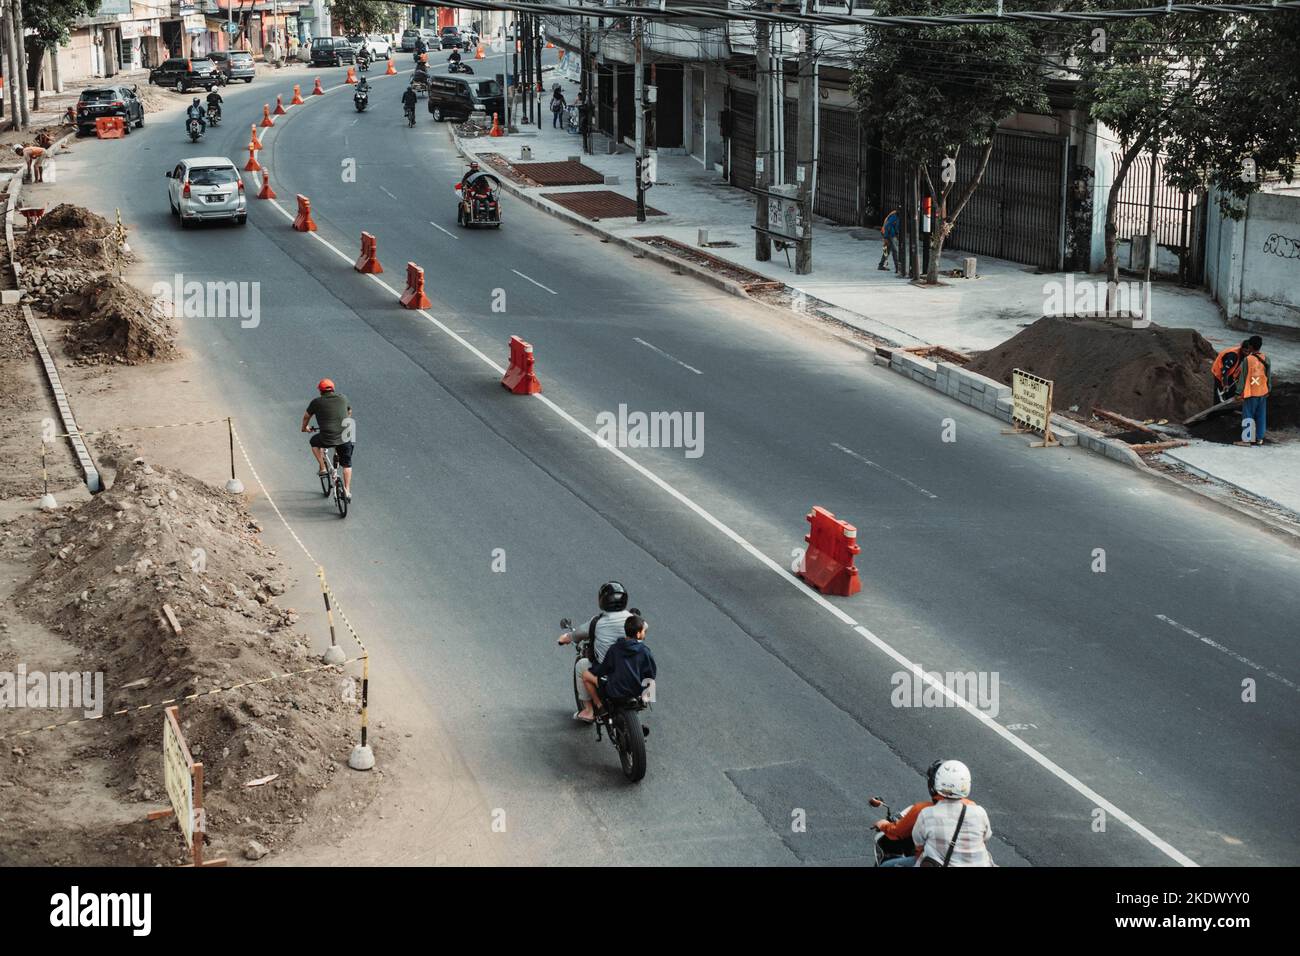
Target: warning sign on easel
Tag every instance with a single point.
(183, 779)
(1031, 407)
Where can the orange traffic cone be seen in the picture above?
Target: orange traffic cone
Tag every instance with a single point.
(297, 96)
(351, 77)
(266, 115)
(317, 91)
(392, 70)
(252, 166)
(496, 125)
(267, 192)
(279, 105)
(478, 54)
(255, 143)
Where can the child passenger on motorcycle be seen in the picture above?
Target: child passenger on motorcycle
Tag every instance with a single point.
(627, 669)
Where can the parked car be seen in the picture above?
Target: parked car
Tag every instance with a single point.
(205, 188)
(451, 39)
(408, 38)
(332, 51)
(458, 98)
(236, 64)
(100, 101)
(182, 73)
(379, 47)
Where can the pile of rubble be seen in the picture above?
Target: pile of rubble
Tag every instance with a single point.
(100, 577)
(113, 321)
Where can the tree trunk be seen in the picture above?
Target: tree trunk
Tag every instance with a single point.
(1112, 204)
(34, 63)
(941, 222)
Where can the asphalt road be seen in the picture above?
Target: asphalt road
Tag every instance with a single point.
(977, 555)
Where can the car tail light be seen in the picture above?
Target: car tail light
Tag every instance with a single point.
(186, 191)
(116, 103)
(241, 185)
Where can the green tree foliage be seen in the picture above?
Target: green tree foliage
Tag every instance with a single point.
(365, 16)
(49, 23)
(934, 91)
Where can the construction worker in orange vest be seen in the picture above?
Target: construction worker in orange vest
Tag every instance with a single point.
(1227, 371)
(1254, 392)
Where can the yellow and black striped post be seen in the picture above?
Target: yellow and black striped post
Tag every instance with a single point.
(333, 654)
(47, 502)
(363, 758)
(234, 486)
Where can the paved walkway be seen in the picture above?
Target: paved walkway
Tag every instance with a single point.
(965, 314)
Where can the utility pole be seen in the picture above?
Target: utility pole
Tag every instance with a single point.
(807, 165)
(762, 140)
(584, 84)
(638, 28)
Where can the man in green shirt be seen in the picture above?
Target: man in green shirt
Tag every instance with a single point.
(334, 429)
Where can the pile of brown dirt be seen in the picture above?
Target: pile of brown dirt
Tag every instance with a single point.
(72, 235)
(113, 321)
(99, 575)
(1283, 417)
(1147, 374)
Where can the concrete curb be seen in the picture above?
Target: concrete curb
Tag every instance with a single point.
(65, 408)
(992, 398)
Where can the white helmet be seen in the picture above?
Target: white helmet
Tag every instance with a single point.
(952, 780)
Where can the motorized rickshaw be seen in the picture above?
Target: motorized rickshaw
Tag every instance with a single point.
(479, 204)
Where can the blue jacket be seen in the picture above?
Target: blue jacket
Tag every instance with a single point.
(890, 229)
(626, 667)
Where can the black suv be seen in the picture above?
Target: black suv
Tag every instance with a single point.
(98, 101)
(183, 73)
(456, 98)
(451, 38)
(236, 64)
(332, 51)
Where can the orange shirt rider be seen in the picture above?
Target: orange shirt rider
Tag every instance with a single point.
(1254, 375)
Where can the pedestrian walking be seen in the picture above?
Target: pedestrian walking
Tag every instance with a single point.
(889, 240)
(1254, 392)
(557, 107)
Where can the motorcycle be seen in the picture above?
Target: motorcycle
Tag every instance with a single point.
(887, 849)
(361, 99)
(363, 63)
(214, 115)
(194, 128)
(620, 720)
(478, 200)
(459, 66)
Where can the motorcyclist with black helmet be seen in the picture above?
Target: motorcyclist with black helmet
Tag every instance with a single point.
(604, 630)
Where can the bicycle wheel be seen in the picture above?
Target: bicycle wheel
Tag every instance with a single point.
(325, 484)
(340, 498)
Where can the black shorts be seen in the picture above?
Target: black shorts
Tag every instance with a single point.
(342, 452)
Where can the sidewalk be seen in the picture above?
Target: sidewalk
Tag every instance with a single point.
(969, 315)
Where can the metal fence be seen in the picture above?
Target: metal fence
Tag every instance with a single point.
(1174, 208)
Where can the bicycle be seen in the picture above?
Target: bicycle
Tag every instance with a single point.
(332, 481)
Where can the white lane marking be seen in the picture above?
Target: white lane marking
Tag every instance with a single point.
(670, 358)
(1229, 651)
(533, 281)
(883, 470)
(447, 231)
(388, 194)
(780, 571)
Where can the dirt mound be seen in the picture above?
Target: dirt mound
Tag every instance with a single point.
(100, 576)
(113, 321)
(72, 234)
(1283, 416)
(1149, 373)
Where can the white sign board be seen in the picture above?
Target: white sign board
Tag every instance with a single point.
(1031, 401)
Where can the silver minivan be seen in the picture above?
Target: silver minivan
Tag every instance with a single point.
(206, 187)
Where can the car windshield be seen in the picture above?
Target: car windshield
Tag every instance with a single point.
(98, 96)
(451, 30)
(488, 88)
(212, 175)
(241, 57)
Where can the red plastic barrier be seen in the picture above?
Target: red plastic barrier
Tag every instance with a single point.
(496, 129)
(351, 77)
(252, 166)
(266, 192)
(369, 261)
(832, 546)
(255, 143)
(302, 222)
(520, 377)
(110, 127)
(317, 91)
(266, 115)
(279, 105)
(297, 96)
(413, 297)
(392, 70)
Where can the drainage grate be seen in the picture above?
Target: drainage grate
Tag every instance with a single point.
(598, 204)
(560, 174)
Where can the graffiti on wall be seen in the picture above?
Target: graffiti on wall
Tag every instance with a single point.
(1282, 246)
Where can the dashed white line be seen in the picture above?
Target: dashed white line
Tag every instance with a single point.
(533, 281)
(780, 571)
(655, 348)
(1229, 651)
(883, 470)
(441, 229)
(387, 193)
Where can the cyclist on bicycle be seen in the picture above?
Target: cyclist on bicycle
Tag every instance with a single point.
(333, 425)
